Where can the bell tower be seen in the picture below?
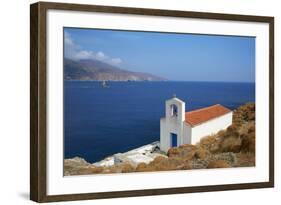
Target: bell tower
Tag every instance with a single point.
(175, 109)
(171, 126)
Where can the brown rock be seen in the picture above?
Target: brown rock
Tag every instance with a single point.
(142, 167)
(157, 160)
(174, 151)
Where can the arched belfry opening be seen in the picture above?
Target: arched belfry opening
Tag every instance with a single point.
(174, 110)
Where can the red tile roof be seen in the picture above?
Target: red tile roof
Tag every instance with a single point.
(199, 116)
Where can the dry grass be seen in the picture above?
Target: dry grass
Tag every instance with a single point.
(249, 139)
(211, 143)
(245, 160)
(142, 167)
(172, 163)
(231, 144)
(126, 168)
(186, 152)
(239, 137)
(218, 164)
(244, 114)
(201, 153)
(158, 160)
(174, 151)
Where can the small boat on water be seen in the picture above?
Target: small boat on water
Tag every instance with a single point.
(104, 84)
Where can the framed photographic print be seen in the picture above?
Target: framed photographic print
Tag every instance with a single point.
(134, 102)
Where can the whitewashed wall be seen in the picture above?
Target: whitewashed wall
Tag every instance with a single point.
(186, 133)
(167, 126)
(211, 127)
(172, 124)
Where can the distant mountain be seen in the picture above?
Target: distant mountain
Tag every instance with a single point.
(100, 71)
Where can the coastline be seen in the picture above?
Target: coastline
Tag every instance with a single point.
(143, 154)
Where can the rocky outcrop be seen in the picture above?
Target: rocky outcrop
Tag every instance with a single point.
(75, 166)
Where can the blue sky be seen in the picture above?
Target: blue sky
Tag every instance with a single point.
(180, 57)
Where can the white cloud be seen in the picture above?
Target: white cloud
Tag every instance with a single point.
(83, 55)
(101, 56)
(116, 61)
(67, 39)
(73, 51)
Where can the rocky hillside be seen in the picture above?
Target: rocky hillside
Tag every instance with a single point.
(100, 71)
(234, 147)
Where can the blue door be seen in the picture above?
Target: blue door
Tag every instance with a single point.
(174, 140)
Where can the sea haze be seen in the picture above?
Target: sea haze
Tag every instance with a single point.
(101, 121)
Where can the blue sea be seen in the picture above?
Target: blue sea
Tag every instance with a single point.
(101, 121)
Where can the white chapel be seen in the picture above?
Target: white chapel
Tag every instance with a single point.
(179, 127)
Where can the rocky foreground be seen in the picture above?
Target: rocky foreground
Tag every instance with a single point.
(234, 147)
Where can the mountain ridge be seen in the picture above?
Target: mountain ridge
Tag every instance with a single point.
(96, 70)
